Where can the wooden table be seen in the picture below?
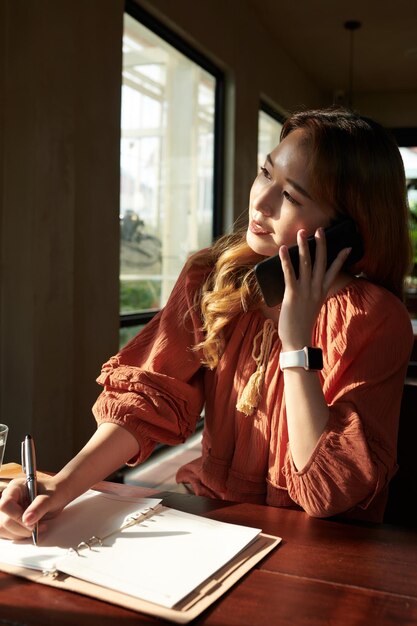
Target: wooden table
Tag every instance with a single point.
(324, 573)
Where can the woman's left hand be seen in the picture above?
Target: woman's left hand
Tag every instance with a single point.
(304, 297)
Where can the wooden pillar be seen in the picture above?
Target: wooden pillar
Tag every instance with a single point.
(59, 158)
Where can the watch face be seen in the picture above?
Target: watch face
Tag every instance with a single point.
(315, 359)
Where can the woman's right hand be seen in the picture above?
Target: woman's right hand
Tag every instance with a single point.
(110, 446)
(17, 519)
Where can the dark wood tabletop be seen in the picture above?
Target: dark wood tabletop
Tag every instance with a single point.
(325, 572)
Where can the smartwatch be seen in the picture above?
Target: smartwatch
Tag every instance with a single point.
(311, 359)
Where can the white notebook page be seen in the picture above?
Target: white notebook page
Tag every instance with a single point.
(93, 513)
(161, 560)
(164, 559)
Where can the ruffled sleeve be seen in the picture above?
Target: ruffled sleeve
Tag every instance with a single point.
(366, 337)
(154, 386)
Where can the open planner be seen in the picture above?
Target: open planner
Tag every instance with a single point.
(139, 554)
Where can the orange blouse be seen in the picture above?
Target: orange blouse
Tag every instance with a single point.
(157, 388)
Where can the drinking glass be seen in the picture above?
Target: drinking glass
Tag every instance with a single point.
(3, 437)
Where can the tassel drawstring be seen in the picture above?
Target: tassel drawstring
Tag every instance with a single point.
(251, 394)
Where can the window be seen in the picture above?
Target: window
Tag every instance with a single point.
(409, 155)
(269, 130)
(170, 163)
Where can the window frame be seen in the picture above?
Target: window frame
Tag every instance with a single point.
(406, 137)
(172, 38)
(269, 110)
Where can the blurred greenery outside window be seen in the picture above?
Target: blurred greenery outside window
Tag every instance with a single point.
(127, 333)
(167, 168)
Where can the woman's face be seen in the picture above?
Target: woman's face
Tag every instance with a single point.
(281, 200)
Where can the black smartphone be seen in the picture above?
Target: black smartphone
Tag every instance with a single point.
(341, 234)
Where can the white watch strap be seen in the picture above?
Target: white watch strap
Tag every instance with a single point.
(293, 358)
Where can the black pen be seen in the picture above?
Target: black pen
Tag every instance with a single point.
(29, 467)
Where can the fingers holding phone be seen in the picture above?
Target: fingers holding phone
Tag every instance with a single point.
(304, 294)
(311, 268)
(324, 272)
(340, 235)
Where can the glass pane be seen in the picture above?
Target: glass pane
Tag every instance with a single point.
(269, 130)
(409, 156)
(166, 156)
(127, 333)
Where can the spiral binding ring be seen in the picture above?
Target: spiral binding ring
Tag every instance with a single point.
(50, 573)
(135, 518)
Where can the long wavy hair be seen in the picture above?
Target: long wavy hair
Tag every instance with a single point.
(356, 168)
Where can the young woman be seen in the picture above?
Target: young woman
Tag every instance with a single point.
(285, 435)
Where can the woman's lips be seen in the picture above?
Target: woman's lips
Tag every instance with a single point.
(258, 229)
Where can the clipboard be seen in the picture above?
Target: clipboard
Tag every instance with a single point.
(187, 610)
(189, 606)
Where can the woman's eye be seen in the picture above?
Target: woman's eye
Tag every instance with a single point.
(265, 173)
(288, 197)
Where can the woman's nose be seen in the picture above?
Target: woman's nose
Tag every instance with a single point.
(266, 202)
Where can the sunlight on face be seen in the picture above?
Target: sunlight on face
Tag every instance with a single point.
(281, 202)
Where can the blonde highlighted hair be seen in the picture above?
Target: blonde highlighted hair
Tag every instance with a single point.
(355, 167)
(230, 289)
